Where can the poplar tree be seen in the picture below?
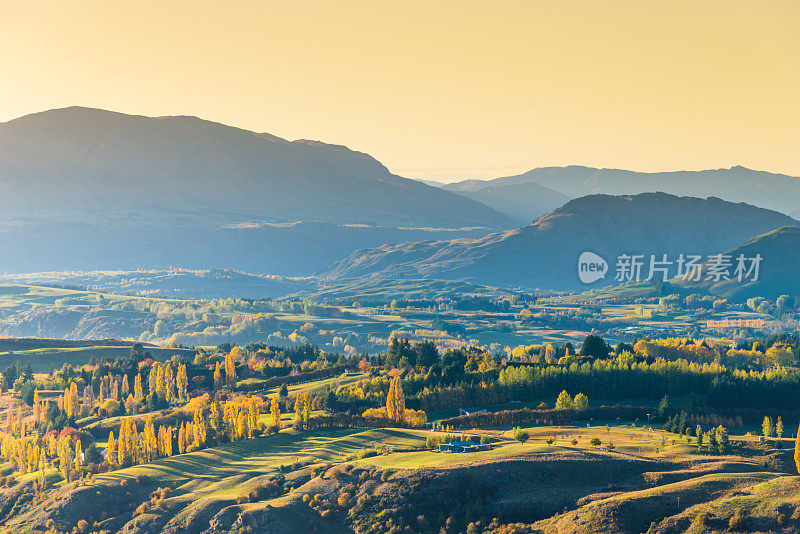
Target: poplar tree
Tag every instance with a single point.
(217, 376)
(161, 388)
(78, 454)
(150, 440)
(215, 419)
(230, 368)
(767, 427)
(182, 439)
(275, 412)
(200, 428)
(301, 410)
(138, 394)
(126, 390)
(111, 455)
(169, 384)
(152, 379)
(395, 401)
(36, 407)
(797, 450)
(183, 383)
(168, 444)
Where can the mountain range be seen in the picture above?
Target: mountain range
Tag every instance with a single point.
(95, 165)
(536, 192)
(89, 189)
(545, 254)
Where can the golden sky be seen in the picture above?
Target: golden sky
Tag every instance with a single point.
(436, 89)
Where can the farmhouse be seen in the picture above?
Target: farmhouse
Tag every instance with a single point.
(472, 411)
(464, 446)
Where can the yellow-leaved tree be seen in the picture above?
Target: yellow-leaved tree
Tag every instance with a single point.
(138, 393)
(275, 412)
(183, 383)
(396, 401)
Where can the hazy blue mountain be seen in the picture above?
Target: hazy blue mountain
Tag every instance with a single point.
(545, 253)
(737, 184)
(90, 189)
(524, 202)
(780, 250)
(169, 283)
(82, 163)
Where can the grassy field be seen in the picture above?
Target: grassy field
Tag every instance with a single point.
(641, 480)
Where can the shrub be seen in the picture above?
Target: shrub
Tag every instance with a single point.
(521, 434)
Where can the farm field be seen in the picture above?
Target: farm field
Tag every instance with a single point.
(495, 321)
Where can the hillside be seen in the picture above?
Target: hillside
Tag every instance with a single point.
(379, 292)
(780, 250)
(545, 253)
(87, 189)
(91, 164)
(736, 184)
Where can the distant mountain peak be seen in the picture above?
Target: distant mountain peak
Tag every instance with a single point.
(90, 164)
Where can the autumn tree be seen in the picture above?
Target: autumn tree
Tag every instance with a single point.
(580, 402)
(779, 427)
(395, 401)
(797, 450)
(112, 450)
(170, 393)
(65, 458)
(37, 412)
(549, 353)
(138, 393)
(301, 410)
(183, 383)
(150, 439)
(275, 412)
(766, 426)
(215, 419)
(217, 376)
(230, 367)
(152, 379)
(126, 390)
(182, 439)
(564, 401)
(200, 428)
(723, 440)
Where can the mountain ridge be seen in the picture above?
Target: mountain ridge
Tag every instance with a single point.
(544, 254)
(76, 162)
(775, 191)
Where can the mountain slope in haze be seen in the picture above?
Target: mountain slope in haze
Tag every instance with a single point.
(523, 202)
(172, 283)
(92, 165)
(545, 253)
(288, 249)
(737, 184)
(780, 252)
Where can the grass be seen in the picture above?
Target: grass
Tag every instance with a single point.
(226, 466)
